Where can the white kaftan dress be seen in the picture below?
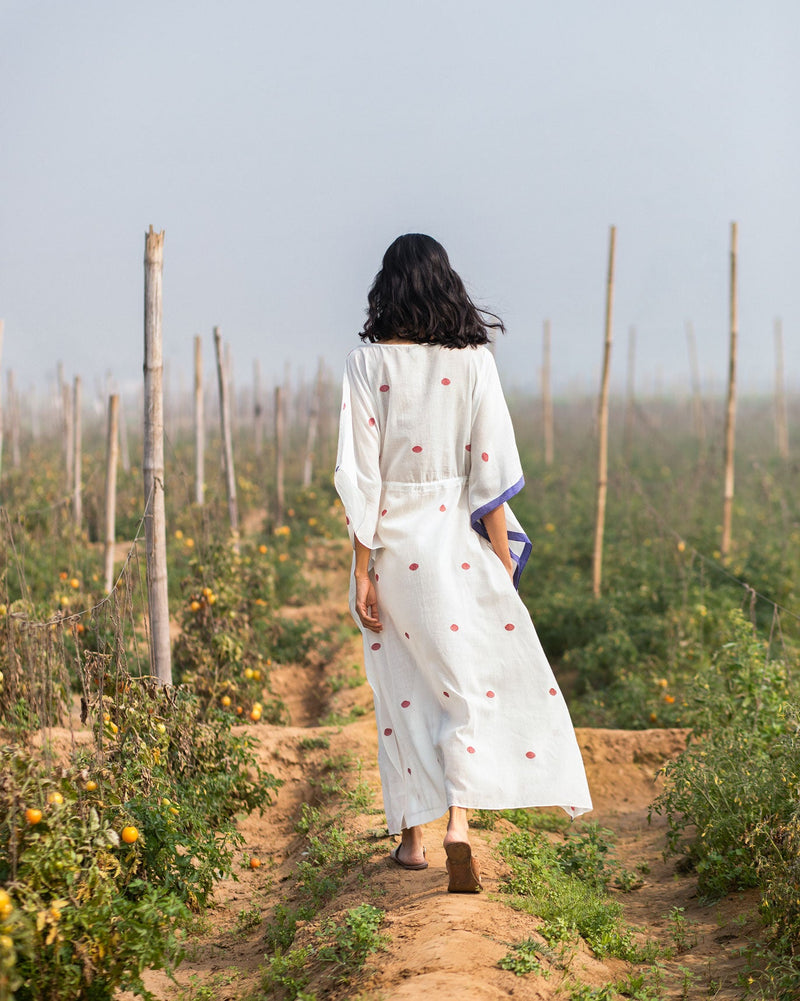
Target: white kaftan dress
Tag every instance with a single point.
(468, 711)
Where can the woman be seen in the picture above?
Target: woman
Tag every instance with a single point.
(468, 712)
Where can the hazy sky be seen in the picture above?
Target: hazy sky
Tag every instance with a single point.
(282, 146)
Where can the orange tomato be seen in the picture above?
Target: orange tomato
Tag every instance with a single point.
(129, 835)
(33, 815)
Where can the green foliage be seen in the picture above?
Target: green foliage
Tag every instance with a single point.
(347, 942)
(525, 958)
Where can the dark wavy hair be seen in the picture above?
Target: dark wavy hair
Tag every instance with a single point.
(419, 297)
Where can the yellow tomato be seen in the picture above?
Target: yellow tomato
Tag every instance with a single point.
(255, 714)
(6, 907)
(194, 606)
(90, 786)
(75, 583)
(248, 673)
(55, 798)
(226, 700)
(262, 549)
(129, 835)
(33, 815)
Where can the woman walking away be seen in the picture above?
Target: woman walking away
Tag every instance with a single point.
(469, 714)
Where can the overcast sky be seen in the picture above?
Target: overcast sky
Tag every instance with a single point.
(283, 146)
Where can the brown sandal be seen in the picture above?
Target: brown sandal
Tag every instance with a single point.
(462, 869)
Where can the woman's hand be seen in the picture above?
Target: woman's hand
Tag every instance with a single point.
(367, 604)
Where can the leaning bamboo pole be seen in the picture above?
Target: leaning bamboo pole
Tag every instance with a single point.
(781, 422)
(279, 450)
(698, 418)
(602, 425)
(199, 425)
(225, 427)
(547, 396)
(77, 453)
(112, 452)
(153, 460)
(730, 410)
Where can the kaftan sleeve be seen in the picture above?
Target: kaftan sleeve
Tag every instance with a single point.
(357, 476)
(495, 473)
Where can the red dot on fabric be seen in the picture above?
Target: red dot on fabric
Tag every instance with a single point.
(553, 691)
(446, 694)
(454, 628)
(383, 512)
(417, 449)
(442, 507)
(377, 577)
(530, 754)
(375, 646)
(509, 627)
(490, 694)
(465, 566)
(572, 808)
(347, 520)
(468, 448)
(344, 406)
(405, 704)
(372, 422)
(409, 771)
(387, 732)
(407, 636)
(445, 382)
(470, 750)
(384, 388)
(413, 566)
(485, 456)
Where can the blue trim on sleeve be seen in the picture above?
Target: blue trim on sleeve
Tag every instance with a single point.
(519, 537)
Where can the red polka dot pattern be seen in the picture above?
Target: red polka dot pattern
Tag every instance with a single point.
(347, 520)
(454, 628)
(470, 750)
(465, 566)
(530, 754)
(408, 770)
(377, 577)
(509, 627)
(445, 382)
(383, 512)
(446, 694)
(372, 422)
(413, 566)
(485, 456)
(384, 388)
(387, 732)
(405, 704)
(407, 636)
(490, 694)
(442, 507)
(553, 691)
(417, 449)
(375, 646)
(468, 448)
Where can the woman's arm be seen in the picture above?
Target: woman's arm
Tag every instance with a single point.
(495, 524)
(366, 599)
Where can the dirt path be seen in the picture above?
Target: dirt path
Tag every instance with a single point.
(444, 945)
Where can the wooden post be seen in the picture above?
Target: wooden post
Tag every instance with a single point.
(258, 410)
(199, 425)
(77, 454)
(112, 451)
(233, 417)
(547, 397)
(124, 451)
(602, 426)
(153, 460)
(630, 391)
(313, 426)
(697, 394)
(781, 423)
(279, 433)
(730, 410)
(227, 444)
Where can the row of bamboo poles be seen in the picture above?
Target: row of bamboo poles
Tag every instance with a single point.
(71, 400)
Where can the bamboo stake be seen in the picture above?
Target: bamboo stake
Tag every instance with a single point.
(77, 454)
(69, 441)
(124, 451)
(781, 423)
(279, 433)
(697, 393)
(227, 444)
(153, 460)
(547, 398)
(602, 426)
(313, 426)
(258, 410)
(199, 425)
(730, 410)
(233, 417)
(112, 451)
